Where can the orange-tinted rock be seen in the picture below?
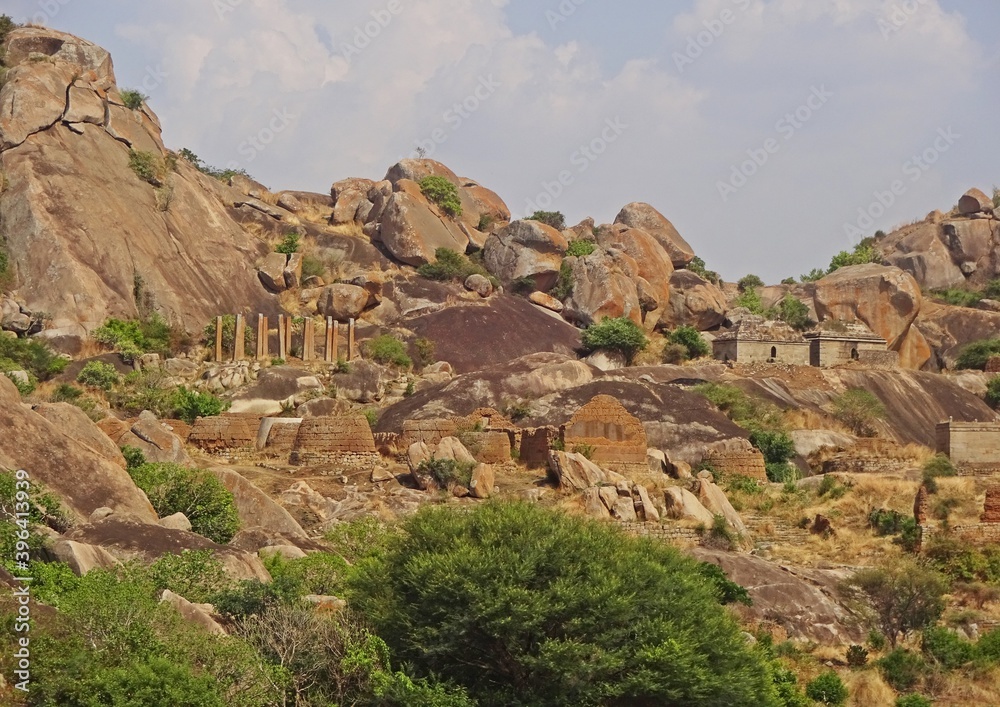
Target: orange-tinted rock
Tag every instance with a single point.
(974, 201)
(695, 301)
(648, 219)
(991, 510)
(652, 262)
(604, 285)
(526, 249)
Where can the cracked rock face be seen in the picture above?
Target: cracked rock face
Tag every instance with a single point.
(75, 213)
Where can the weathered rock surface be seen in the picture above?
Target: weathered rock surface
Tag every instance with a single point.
(483, 481)
(577, 473)
(56, 458)
(342, 302)
(714, 499)
(695, 301)
(975, 201)
(75, 421)
(604, 285)
(653, 264)
(199, 615)
(526, 249)
(681, 504)
(645, 218)
(256, 508)
(81, 557)
(177, 521)
(412, 229)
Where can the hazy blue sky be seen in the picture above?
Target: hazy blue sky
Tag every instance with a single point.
(848, 115)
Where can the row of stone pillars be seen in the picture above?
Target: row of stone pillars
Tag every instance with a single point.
(331, 350)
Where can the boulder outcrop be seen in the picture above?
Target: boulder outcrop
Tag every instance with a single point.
(604, 285)
(645, 218)
(526, 249)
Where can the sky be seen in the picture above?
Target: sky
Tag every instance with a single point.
(772, 133)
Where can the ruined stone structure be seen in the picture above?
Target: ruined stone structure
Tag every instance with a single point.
(344, 442)
(430, 432)
(993, 364)
(535, 445)
(748, 462)
(756, 340)
(973, 447)
(232, 436)
(921, 505)
(835, 343)
(617, 438)
(991, 510)
(276, 435)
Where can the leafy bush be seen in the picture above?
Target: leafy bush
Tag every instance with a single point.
(387, 349)
(563, 289)
(443, 193)
(98, 374)
(751, 301)
(620, 334)
(813, 275)
(776, 446)
(674, 354)
(7, 25)
(857, 656)
(197, 575)
(794, 312)
(149, 167)
(289, 244)
(189, 405)
(555, 219)
(827, 689)
(691, 339)
(913, 701)
(697, 266)
(451, 265)
(65, 393)
(447, 472)
(749, 282)
(993, 393)
(312, 267)
(196, 493)
(31, 355)
(988, 646)
(43, 509)
(134, 337)
(859, 411)
(134, 457)
(864, 252)
(485, 222)
(321, 573)
(581, 248)
(556, 611)
(963, 562)
(885, 522)
(958, 297)
(934, 468)
(976, 355)
(946, 648)
(132, 98)
(728, 591)
(782, 473)
(902, 669)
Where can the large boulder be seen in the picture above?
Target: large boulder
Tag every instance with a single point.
(350, 200)
(646, 218)
(255, 508)
(681, 504)
(526, 249)
(653, 264)
(157, 442)
(70, 417)
(921, 251)
(577, 473)
(714, 499)
(695, 301)
(342, 301)
(975, 201)
(604, 285)
(412, 228)
(197, 614)
(81, 557)
(55, 458)
(887, 299)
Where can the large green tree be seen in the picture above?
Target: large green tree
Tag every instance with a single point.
(524, 606)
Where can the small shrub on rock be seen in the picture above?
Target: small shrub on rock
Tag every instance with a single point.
(993, 393)
(443, 193)
(98, 374)
(289, 244)
(555, 219)
(189, 405)
(976, 355)
(691, 339)
(749, 282)
(902, 669)
(857, 656)
(196, 493)
(132, 98)
(859, 411)
(827, 689)
(581, 248)
(447, 472)
(620, 334)
(387, 349)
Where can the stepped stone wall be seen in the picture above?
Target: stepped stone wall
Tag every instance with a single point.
(744, 462)
(345, 442)
(618, 438)
(231, 436)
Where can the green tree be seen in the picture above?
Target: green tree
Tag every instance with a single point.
(794, 312)
(189, 405)
(387, 349)
(98, 374)
(813, 275)
(827, 689)
(976, 355)
(859, 410)
(993, 392)
(550, 218)
(750, 300)
(619, 334)
(132, 98)
(196, 493)
(443, 193)
(903, 596)
(557, 611)
(691, 339)
(289, 244)
(698, 267)
(749, 282)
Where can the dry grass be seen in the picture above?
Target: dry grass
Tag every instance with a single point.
(315, 214)
(868, 689)
(805, 419)
(353, 229)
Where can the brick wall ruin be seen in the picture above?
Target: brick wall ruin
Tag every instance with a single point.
(277, 435)
(744, 462)
(535, 445)
(344, 442)
(617, 438)
(430, 432)
(232, 436)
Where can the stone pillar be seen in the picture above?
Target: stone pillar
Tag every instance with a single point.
(239, 343)
(263, 338)
(282, 350)
(308, 340)
(350, 339)
(336, 341)
(991, 512)
(288, 336)
(218, 339)
(329, 354)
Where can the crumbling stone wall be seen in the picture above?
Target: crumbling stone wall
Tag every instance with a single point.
(232, 436)
(665, 532)
(343, 442)
(492, 447)
(535, 445)
(278, 435)
(879, 360)
(991, 511)
(618, 439)
(744, 462)
(993, 364)
(430, 432)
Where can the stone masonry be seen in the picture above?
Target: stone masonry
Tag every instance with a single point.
(991, 511)
(618, 439)
(747, 462)
(230, 436)
(973, 447)
(344, 441)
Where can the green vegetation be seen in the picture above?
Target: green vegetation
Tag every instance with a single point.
(827, 689)
(150, 167)
(30, 355)
(857, 656)
(914, 701)
(132, 98)
(189, 405)
(749, 282)
(223, 175)
(228, 334)
(965, 297)
(903, 596)
(555, 219)
(902, 668)
(603, 619)
(859, 410)
(697, 266)
(976, 355)
(934, 468)
(43, 509)
(486, 221)
(196, 493)
(885, 522)
(443, 193)
(98, 374)
(564, 285)
(312, 267)
(750, 300)
(387, 349)
(449, 265)
(691, 340)
(6, 273)
(134, 337)
(793, 312)
(813, 275)
(447, 472)
(620, 334)
(864, 252)
(993, 393)
(581, 248)
(289, 244)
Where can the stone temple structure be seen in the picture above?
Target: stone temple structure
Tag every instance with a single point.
(834, 343)
(973, 447)
(754, 339)
(617, 438)
(344, 442)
